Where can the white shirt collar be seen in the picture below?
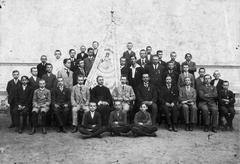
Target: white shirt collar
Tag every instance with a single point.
(137, 65)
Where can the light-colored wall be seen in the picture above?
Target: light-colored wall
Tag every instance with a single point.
(209, 29)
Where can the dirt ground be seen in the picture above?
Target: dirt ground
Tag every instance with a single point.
(167, 147)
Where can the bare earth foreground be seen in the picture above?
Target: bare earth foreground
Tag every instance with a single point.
(168, 147)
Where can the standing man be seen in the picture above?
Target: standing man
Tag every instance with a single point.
(127, 54)
(207, 102)
(170, 72)
(79, 71)
(34, 80)
(41, 67)
(12, 87)
(168, 99)
(57, 62)
(123, 66)
(82, 55)
(95, 45)
(191, 65)
(183, 75)
(176, 68)
(61, 104)
(72, 54)
(50, 79)
(124, 93)
(41, 102)
(187, 99)
(149, 53)
(80, 98)
(88, 62)
(102, 96)
(147, 94)
(160, 55)
(200, 80)
(66, 74)
(143, 61)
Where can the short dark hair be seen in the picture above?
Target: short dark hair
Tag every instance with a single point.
(95, 42)
(148, 47)
(202, 69)
(123, 75)
(90, 48)
(208, 75)
(71, 50)
(225, 81)
(155, 56)
(133, 56)
(65, 60)
(99, 77)
(185, 64)
(173, 53)
(80, 76)
(57, 51)
(49, 64)
(158, 51)
(123, 58)
(33, 68)
(143, 103)
(43, 56)
(14, 71)
(24, 77)
(188, 54)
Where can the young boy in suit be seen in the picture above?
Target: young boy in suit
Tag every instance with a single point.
(34, 80)
(183, 75)
(118, 120)
(41, 67)
(143, 123)
(41, 102)
(72, 54)
(127, 54)
(50, 79)
(66, 74)
(92, 124)
(12, 87)
(23, 101)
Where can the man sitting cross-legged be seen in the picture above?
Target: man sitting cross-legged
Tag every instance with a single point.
(118, 120)
(92, 123)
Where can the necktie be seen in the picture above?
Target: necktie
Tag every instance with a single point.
(67, 72)
(145, 85)
(80, 88)
(123, 88)
(61, 88)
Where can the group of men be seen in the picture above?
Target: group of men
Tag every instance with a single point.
(146, 84)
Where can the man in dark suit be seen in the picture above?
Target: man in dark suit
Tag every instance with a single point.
(192, 65)
(143, 61)
(72, 54)
(92, 123)
(34, 80)
(135, 74)
(41, 67)
(207, 102)
(88, 62)
(50, 79)
(170, 72)
(168, 99)
(149, 53)
(82, 55)
(12, 86)
(118, 120)
(147, 94)
(176, 68)
(226, 100)
(79, 71)
(155, 71)
(218, 83)
(61, 104)
(127, 54)
(200, 80)
(123, 66)
(95, 45)
(102, 96)
(161, 62)
(23, 103)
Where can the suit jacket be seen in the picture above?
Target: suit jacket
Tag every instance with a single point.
(163, 63)
(144, 118)
(191, 65)
(174, 75)
(187, 95)
(146, 94)
(12, 90)
(101, 94)
(95, 52)
(24, 97)
(118, 93)
(181, 80)
(121, 118)
(51, 81)
(73, 64)
(34, 84)
(82, 57)
(219, 84)
(207, 95)
(168, 95)
(143, 65)
(124, 70)
(176, 67)
(68, 80)
(226, 95)
(137, 80)
(88, 65)
(76, 73)
(127, 56)
(156, 76)
(88, 121)
(41, 97)
(80, 96)
(41, 70)
(61, 97)
(199, 83)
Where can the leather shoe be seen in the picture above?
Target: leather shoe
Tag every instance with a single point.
(231, 128)
(33, 131)
(44, 131)
(187, 127)
(169, 127)
(64, 130)
(191, 127)
(59, 130)
(86, 136)
(20, 130)
(225, 127)
(153, 134)
(74, 129)
(175, 128)
(214, 130)
(11, 126)
(206, 128)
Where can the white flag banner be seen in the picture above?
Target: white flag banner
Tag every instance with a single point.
(107, 62)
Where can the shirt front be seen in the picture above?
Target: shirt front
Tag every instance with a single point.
(92, 114)
(216, 82)
(134, 70)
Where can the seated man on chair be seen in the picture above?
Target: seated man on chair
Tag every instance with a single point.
(124, 93)
(41, 102)
(207, 103)
(147, 93)
(187, 98)
(118, 120)
(92, 123)
(226, 100)
(61, 104)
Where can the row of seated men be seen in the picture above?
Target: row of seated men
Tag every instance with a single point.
(168, 95)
